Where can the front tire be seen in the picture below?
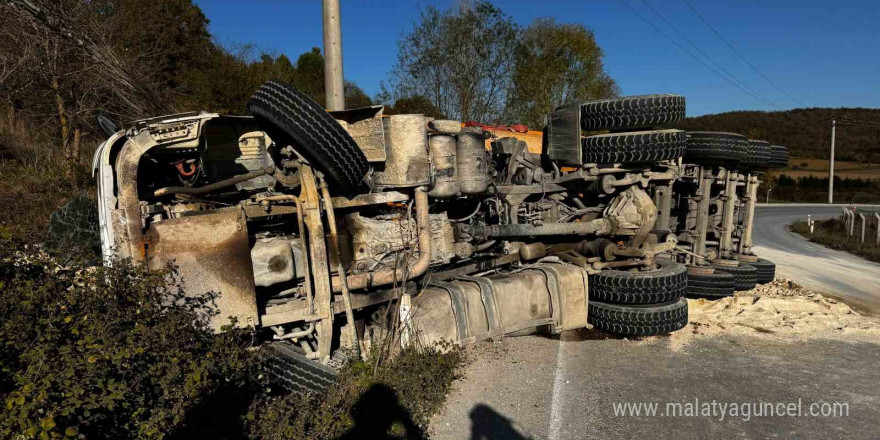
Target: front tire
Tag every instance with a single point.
(289, 116)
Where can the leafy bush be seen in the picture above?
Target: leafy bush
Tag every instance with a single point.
(117, 353)
(364, 402)
(815, 189)
(107, 352)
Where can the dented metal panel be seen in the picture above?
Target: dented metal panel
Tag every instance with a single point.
(406, 143)
(212, 254)
(365, 127)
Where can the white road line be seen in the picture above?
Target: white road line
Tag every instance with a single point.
(556, 400)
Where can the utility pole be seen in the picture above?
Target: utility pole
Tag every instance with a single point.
(831, 165)
(334, 85)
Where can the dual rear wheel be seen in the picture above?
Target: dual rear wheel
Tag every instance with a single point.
(639, 303)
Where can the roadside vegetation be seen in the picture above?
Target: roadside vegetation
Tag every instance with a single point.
(832, 233)
(117, 353)
(815, 190)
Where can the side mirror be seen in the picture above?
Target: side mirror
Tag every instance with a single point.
(107, 125)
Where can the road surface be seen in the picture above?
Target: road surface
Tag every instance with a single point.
(844, 276)
(561, 389)
(566, 387)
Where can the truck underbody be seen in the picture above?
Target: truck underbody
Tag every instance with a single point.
(310, 226)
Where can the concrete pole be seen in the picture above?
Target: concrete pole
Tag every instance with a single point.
(831, 165)
(334, 84)
(877, 215)
(727, 214)
(705, 194)
(862, 216)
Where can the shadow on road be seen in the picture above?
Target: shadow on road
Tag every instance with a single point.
(487, 424)
(379, 415)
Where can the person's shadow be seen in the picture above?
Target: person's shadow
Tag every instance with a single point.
(487, 424)
(376, 413)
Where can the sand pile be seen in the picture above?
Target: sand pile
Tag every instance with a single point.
(780, 309)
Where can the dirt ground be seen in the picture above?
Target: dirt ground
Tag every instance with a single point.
(776, 343)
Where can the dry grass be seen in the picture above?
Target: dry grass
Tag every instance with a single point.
(832, 233)
(35, 180)
(819, 168)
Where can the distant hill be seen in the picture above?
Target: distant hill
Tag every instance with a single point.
(806, 132)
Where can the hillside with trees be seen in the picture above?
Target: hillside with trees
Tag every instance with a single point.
(806, 132)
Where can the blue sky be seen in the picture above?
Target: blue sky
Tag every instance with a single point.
(822, 53)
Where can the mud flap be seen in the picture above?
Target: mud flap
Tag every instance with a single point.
(564, 135)
(212, 254)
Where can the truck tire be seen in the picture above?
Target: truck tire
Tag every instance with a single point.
(289, 116)
(766, 270)
(715, 148)
(638, 320)
(757, 156)
(778, 156)
(632, 112)
(294, 373)
(634, 147)
(666, 283)
(745, 275)
(73, 232)
(715, 285)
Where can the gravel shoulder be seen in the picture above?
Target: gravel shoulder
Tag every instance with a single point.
(779, 343)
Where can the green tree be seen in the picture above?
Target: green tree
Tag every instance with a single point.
(555, 63)
(310, 75)
(458, 59)
(417, 104)
(355, 97)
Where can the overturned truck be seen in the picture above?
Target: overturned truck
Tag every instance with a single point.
(307, 225)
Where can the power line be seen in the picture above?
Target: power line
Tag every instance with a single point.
(706, 22)
(683, 49)
(718, 65)
(857, 123)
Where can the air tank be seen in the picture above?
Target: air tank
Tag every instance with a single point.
(472, 161)
(443, 154)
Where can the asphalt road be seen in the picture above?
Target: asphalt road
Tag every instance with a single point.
(566, 388)
(844, 276)
(540, 388)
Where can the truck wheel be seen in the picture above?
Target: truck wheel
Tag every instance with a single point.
(634, 147)
(766, 270)
(745, 275)
(293, 372)
(778, 156)
(289, 116)
(757, 155)
(638, 320)
(632, 112)
(666, 283)
(715, 285)
(715, 148)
